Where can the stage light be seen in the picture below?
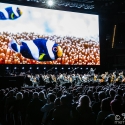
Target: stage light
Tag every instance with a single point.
(114, 33)
(50, 2)
(69, 68)
(22, 67)
(62, 68)
(30, 67)
(7, 67)
(81, 68)
(37, 68)
(55, 67)
(15, 68)
(86, 68)
(44, 67)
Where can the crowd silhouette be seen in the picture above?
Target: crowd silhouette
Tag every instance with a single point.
(62, 105)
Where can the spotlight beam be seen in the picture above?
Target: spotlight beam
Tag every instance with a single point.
(50, 2)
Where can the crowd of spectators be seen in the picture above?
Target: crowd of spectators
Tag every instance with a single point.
(74, 105)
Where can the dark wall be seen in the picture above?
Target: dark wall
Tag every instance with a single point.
(11, 82)
(112, 58)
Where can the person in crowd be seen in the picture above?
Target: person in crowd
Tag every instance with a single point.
(116, 109)
(16, 109)
(86, 115)
(118, 97)
(33, 110)
(95, 96)
(119, 92)
(123, 105)
(62, 114)
(42, 97)
(96, 106)
(92, 72)
(105, 111)
(25, 101)
(10, 100)
(2, 104)
(90, 94)
(112, 94)
(49, 118)
(48, 106)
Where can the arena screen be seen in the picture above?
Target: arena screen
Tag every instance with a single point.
(31, 35)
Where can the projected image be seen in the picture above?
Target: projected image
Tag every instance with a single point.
(30, 35)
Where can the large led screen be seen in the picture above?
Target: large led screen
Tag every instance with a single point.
(31, 35)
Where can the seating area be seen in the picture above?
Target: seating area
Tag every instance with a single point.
(60, 105)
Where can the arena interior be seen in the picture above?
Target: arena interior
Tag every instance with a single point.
(80, 80)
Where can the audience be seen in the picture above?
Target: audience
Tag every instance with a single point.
(85, 112)
(116, 110)
(123, 105)
(9, 102)
(96, 106)
(42, 97)
(16, 109)
(33, 110)
(105, 111)
(62, 115)
(112, 94)
(48, 106)
(73, 105)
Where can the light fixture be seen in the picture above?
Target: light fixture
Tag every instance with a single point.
(50, 2)
(7, 67)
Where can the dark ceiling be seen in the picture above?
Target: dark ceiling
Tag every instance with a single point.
(96, 6)
(111, 10)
